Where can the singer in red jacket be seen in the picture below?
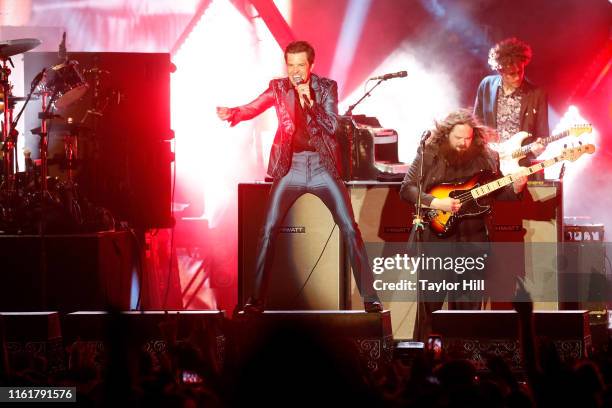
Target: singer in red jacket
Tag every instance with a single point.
(305, 158)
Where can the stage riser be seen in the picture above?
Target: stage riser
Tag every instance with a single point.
(91, 272)
(365, 336)
(33, 336)
(46, 335)
(474, 335)
(147, 332)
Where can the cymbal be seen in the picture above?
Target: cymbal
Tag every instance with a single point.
(14, 47)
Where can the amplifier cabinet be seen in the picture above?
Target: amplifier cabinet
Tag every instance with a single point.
(309, 238)
(584, 268)
(383, 218)
(307, 270)
(536, 220)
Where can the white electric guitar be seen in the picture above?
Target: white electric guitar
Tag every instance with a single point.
(511, 151)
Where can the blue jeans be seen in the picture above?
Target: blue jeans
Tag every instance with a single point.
(308, 175)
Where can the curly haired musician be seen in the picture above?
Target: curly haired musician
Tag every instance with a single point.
(456, 150)
(304, 159)
(510, 103)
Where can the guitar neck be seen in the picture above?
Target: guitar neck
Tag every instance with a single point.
(556, 136)
(493, 186)
(525, 150)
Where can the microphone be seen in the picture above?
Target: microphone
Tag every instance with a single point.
(400, 74)
(297, 79)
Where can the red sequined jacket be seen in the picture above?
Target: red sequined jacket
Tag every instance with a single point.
(321, 121)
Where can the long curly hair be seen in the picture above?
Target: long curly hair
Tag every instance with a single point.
(442, 129)
(510, 51)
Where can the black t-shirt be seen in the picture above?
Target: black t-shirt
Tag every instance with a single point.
(301, 137)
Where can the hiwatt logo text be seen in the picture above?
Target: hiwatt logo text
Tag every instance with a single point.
(397, 230)
(292, 230)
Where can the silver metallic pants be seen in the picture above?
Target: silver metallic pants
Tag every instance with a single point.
(308, 175)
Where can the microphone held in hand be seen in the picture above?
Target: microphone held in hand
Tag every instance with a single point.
(400, 74)
(297, 80)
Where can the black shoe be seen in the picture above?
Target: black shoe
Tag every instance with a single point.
(373, 307)
(253, 306)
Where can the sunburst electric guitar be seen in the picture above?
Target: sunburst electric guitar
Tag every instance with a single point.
(511, 151)
(468, 192)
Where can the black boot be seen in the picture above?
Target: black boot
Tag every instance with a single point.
(253, 306)
(373, 306)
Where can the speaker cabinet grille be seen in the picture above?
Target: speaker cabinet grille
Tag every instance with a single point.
(307, 269)
(537, 221)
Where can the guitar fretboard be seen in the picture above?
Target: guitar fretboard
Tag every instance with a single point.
(525, 150)
(489, 188)
(578, 129)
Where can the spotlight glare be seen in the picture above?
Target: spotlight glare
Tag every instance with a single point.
(569, 119)
(408, 105)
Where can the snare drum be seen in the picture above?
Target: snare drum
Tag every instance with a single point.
(65, 82)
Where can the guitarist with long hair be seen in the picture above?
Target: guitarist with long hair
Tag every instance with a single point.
(455, 150)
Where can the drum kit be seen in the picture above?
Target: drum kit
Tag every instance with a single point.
(30, 200)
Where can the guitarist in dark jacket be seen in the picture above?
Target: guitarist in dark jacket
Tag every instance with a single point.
(305, 158)
(455, 150)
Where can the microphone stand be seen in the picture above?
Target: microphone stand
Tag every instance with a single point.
(415, 240)
(418, 225)
(349, 111)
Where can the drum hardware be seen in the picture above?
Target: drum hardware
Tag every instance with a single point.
(53, 194)
(66, 83)
(69, 160)
(65, 126)
(10, 134)
(7, 139)
(12, 101)
(70, 153)
(30, 200)
(8, 195)
(45, 115)
(13, 133)
(19, 204)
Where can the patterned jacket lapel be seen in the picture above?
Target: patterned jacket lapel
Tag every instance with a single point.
(495, 89)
